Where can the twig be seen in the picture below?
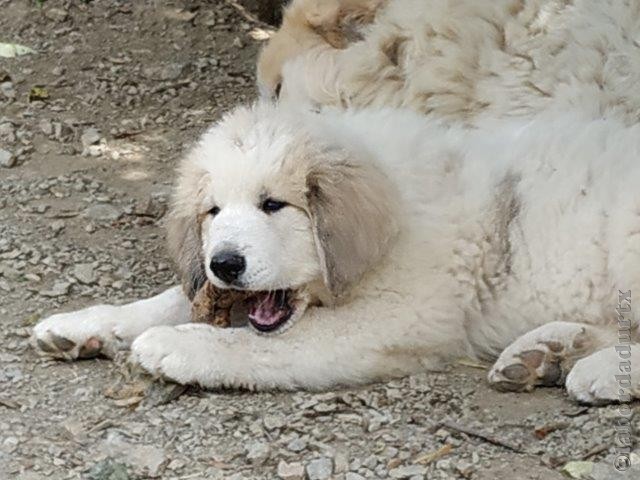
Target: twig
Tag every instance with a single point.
(483, 436)
(248, 15)
(595, 451)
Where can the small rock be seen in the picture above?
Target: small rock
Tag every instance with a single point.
(56, 14)
(59, 289)
(407, 472)
(7, 132)
(57, 226)
(46, 126)
(170, 71)
(7, 90)
(108, 470)
(297, 445)
(85, 273)
(102, 212)
(353, 476)
(179, 14)
(89, 137)
(290, 471)
(320, 469)
(258, 452)
(7, 160)
(273, 422)
(10, 444)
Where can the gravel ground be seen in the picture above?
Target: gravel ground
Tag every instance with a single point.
(90, 129)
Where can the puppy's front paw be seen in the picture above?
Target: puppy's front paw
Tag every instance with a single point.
(83, 334)
(541, 357)
(182, 354)
(606, 376)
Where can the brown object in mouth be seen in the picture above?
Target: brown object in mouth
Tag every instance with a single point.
(213, 305)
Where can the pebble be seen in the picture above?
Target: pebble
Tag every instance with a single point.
(89, 137)
(7, 160)
(290, 471)
(297, 445)
(171, 71)
(258, 452)
(102, 212)
(85, 273)
(353, 476)
(59, 289)
(319, 469)
(407, 472)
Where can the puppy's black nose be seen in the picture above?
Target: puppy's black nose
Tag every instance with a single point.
(228, 266)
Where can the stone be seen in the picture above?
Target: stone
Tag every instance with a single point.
(84, 273)
(170, 71)
(89, 137)
(56, 14)
(407, 472)
(290, 471)
(108, 470)
(102, 212)
(7, 160)
(353, 476)
(319, 469)
(7, 90)
(258, 452)
(59, 289)
(297, 445)
(46, 126)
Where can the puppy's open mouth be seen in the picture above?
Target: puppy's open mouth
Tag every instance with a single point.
(268, 311)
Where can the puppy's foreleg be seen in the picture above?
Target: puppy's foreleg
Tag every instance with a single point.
(105, 329)
(319, 354)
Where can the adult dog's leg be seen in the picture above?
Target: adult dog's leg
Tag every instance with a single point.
(105, 329)
(319, 354)
(608, 375)
(545, 356)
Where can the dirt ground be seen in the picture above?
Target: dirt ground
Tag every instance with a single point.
(94, 123)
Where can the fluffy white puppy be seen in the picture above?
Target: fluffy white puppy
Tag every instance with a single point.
(389, 242)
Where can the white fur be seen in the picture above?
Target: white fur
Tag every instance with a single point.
(502, 229)
(474, 60)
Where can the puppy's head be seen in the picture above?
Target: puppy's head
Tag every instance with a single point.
(264, 208)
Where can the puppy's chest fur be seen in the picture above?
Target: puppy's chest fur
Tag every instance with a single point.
(483, 255)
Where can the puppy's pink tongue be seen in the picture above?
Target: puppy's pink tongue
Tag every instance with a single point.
(268, 309)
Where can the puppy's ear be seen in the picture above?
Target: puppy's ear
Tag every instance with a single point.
(184, 233)
(353, 212)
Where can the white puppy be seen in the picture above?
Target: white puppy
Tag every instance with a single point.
(388, 242)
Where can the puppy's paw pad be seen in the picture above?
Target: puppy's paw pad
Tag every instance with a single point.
(83, 334)
(540, 357)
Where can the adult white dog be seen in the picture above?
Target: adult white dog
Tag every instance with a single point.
(389, 242)
(468, 60)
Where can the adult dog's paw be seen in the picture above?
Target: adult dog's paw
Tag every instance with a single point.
(606, 376)
(83, 334)
(542, 356)
(184, 354)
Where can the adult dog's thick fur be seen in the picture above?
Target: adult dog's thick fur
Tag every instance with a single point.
(409, 241)
(460, 59)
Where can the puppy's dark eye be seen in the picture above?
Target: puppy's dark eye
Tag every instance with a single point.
(270, 205)
(214, 211)
(277, 90)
